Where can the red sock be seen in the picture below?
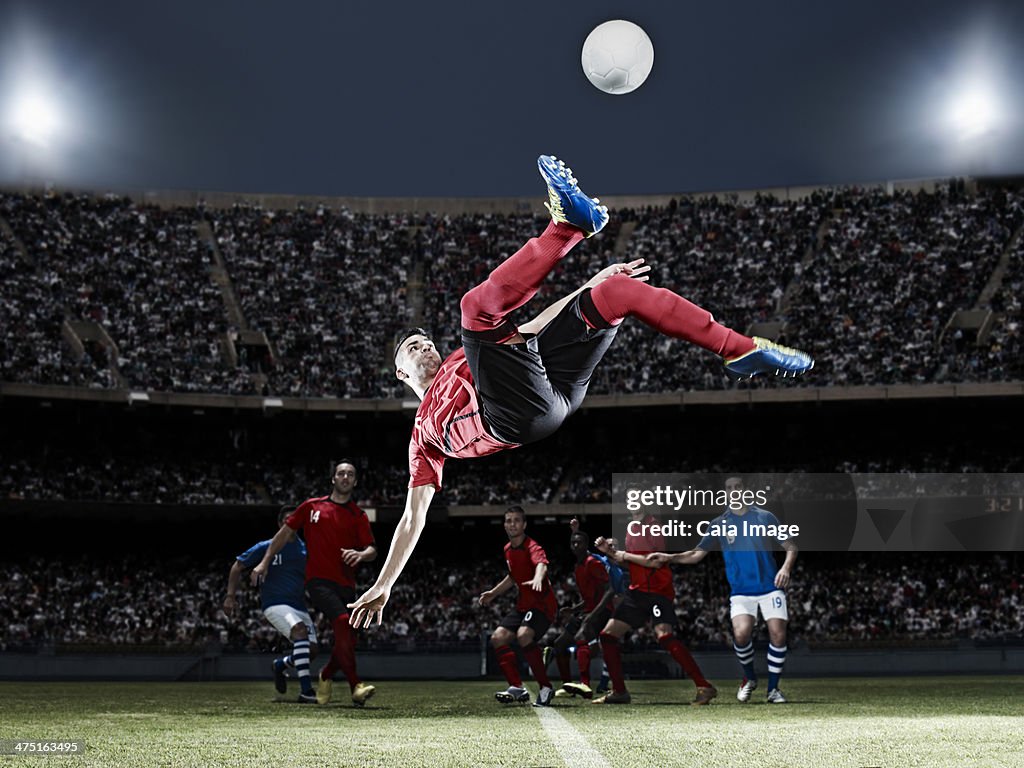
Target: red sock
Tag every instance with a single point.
(621, 296)
(509, 665)
(613, 658)
(681, 654)
(564, 670)
(344, 653)
(583, 659)
(536, 661)
(516, 280)
(329, 669)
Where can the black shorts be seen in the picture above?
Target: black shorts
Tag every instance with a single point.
(330, 597)
(536, 620)
(637, 608)
(527, 390)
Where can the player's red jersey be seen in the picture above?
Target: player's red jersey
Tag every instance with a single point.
(522, 564)
(591, 581)
(329, 527)
(656, 580)
(448, 424)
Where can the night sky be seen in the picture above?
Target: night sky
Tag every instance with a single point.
(458, 98)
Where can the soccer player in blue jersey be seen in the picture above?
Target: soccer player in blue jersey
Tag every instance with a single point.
(282, 596)
(755, 580)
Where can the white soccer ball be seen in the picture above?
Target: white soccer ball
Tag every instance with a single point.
(617, 56)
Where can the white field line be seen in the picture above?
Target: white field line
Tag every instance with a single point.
(571, 745)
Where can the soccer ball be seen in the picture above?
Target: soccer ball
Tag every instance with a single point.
(617, 56)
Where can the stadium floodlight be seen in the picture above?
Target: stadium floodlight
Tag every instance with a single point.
(138, 398)
(34, 118)
(974, 112)
(272, 404)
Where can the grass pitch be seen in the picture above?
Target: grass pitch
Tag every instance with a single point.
(887, 722)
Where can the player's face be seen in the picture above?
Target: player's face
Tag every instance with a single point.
(733, 484)
(515, 525)
(344, 478)
(417, 358)
(578, 544)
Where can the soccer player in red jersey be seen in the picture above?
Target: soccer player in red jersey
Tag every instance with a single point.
(338, 538)
(508, 385)
(650, 597)
(588, 616)
(533, 614)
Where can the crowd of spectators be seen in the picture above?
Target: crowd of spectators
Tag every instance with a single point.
(156, 603)
(865, 279)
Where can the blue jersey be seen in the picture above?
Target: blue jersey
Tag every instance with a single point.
(285, 583)
(618, 578)
(749, 562)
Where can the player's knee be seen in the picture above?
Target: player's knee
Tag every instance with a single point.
(299, 632)
(500, 637)
(524, 637)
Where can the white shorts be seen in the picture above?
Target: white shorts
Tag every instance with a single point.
(772, 605)
(284, 617)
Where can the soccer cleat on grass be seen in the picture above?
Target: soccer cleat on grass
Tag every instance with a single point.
(579, 689)
(704, 695)
(323, 690)
(307, 697)
(567, 203)
(544, 697)
(775, 696)
(280, 681)
(564, 693)
(362, 693)
(614, 698)
(512, 695)
(746, 688)
(769, 357)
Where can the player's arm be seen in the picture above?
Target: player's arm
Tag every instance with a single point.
(691, 557)
(503, 586)
(632, 268)
(356, 556)
(370, 605)
(537, 582)
(234, 579)
(605, 600)
(782, 577)
(282, 537)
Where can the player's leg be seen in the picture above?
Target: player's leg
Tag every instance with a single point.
(534, 625)
(515, 281)
(585, 647)
(332, 600)
(303, 636)
(502, 639)
(627, 615)
(620, 297)
(664, 631)
(776, 616)
(743, 611)
(559, 650)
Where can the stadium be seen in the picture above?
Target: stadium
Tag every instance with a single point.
(183, 367)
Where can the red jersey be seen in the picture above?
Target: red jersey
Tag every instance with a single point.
(592, 582)
(655, 580)
(448, 424)
(329, 527)
(522, 564)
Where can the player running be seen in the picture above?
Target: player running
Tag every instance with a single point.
(533, 614)
(508, 385)
(282, 596)
(650, 597)
(756, 583)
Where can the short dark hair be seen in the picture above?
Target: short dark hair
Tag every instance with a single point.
(339, 462)
(516, 510)
(580, 532)
(405, 334)
(283, 512)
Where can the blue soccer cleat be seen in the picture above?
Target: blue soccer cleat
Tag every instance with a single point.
(769, 357)
(566, 202)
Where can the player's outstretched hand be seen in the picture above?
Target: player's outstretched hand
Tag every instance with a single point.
(574, 525)
(486, 598)
(369, 606)
(230, 605)
(630, 268)
(536, 583)
(604, 546)
(658, 559)
(782, 578)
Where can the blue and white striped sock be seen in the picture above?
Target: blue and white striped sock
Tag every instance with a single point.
(746, 657)
(776, 661)
(300, 655)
